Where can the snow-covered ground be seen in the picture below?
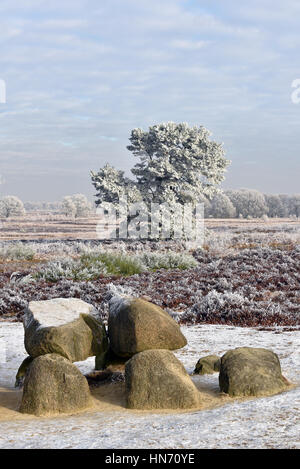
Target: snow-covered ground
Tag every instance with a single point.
(272, 422)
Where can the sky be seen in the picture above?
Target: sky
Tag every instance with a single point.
(81, 74)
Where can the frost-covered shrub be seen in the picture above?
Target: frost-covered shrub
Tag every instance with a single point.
(169, 260)
(91, 266)
(116, 263)
(11, 301)
(214, 302)
(73, 269)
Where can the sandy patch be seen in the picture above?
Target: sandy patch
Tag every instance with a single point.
(222, 422)
(111, 397)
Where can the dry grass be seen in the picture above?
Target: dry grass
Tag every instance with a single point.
(36, 226)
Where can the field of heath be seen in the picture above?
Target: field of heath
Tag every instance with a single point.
(247, 272)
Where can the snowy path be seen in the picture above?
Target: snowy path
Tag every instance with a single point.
(272, 422)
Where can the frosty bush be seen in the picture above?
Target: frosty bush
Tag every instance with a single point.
(170, 260)
(116, 263)
(93, 265)
(67, 268)
(11, 300)
(11, 206)
(17, 251)
(89, 267)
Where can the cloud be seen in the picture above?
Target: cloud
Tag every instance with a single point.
(80, 75)
(188, 45)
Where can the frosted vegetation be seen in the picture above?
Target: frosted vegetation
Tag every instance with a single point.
(11, 206)
(241, 276)
(18, 251)
(76, 206)
(242, 203)
(175, 164)
(91, 266)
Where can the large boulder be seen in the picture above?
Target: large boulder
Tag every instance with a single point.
(54, 385)
(135, 325)
(247, 371)
(207, 365)
(66, 326)
(155, 379)
(21, 373)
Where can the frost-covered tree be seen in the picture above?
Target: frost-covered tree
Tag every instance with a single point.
(76, 205)
(49, 206)
(68, 207)
(11, 206)
(222, 207)
(276, 208)
(286, 202)
(295, 205)
(177, 164)
(207, 206)
(248, 203)
(82, 204)
(111, 184)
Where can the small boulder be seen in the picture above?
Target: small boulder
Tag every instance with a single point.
(207, 365)
(54, 385)
(135, 325)
(155, 379)
(66, 326)
(247, 371)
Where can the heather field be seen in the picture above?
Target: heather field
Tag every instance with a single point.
(240, 288)
(247, 272)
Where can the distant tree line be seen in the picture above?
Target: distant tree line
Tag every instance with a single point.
(73, 206)
(249, 203)
(42, 206)
(241, 203)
